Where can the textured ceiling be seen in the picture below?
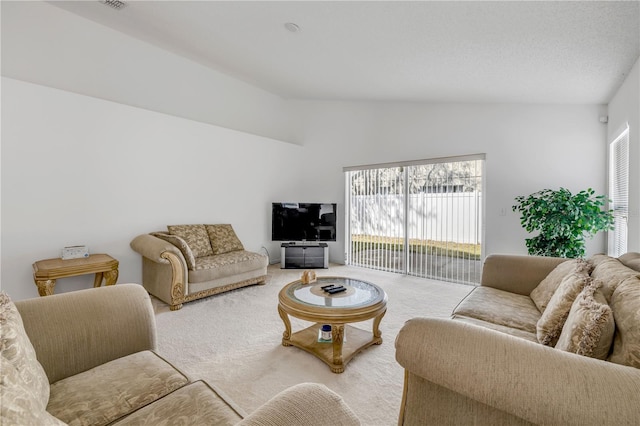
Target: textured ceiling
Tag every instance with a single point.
(516, 51)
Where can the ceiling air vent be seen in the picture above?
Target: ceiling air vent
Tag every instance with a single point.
(116, 4)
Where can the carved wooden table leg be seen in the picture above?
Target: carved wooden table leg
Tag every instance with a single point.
(337, 334)
(286, 335)
(97, 281)
(377, 334)
(111, 277)
(45, 287)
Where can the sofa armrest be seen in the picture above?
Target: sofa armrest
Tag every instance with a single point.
(539, 384)
(516, 273)
(76, 331)
(153, 248)
(164, 269)
(308, 404)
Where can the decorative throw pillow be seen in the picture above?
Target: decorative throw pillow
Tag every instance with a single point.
(196, 238)
(631, 260)
(625, 304)
(223, 239)
(590, 325)
(20, 404)
(181, 244)
(541, 295)
(19, 366)
(550, 324)
(612, 273)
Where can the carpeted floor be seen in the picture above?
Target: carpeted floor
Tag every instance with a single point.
(233, 340)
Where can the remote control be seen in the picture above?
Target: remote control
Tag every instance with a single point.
(337, 290)
(326, 287)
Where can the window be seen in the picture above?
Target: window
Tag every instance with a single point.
(421, 218)
(619, 193)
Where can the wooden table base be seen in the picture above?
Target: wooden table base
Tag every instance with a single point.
(346, 343)
(46, 272)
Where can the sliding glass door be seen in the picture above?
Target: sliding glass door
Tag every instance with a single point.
(420, 218)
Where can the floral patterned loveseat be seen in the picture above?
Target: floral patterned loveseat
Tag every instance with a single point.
(189, 262)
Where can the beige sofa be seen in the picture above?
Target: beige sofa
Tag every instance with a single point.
(189, 262)
(87, 358)
(486, 365)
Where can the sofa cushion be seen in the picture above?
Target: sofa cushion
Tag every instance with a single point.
(625, 303)
(181, 244)
(500, 307)
(541, 295)
(109, 391)
(194, 404)
(19, 365)
(227, 264)
(550, 324)
(590, 326)
(223, 239)
(196, 237)
(501, 328)
(631, 260)
(611, 272)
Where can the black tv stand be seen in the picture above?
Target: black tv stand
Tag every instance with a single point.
(304, 255)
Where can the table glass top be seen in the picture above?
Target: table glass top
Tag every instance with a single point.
(358, 293)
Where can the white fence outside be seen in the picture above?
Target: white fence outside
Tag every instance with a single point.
(451, 217)
(422, 219)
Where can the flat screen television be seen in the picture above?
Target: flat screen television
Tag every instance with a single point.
(303, 221)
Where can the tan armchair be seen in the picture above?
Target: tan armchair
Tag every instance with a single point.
(80, 355)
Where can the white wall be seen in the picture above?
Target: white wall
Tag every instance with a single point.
(81, 170)
(528, 148)
(624, 109)
(44, 44)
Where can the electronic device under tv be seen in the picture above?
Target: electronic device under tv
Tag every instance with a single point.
(303, 221)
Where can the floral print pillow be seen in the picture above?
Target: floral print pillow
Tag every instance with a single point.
(24, 387)
(181, 244)
(223, 239)
(196, 238)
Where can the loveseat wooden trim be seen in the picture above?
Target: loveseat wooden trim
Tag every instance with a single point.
(178, 296)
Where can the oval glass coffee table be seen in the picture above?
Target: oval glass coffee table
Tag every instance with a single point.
(360, 302)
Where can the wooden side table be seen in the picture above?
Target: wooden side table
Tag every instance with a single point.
(46, 272)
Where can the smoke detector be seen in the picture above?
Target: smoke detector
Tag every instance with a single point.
(294, 28)
(115, 4)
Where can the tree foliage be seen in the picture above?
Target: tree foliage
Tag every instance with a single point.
(457, 176)
(563, 220)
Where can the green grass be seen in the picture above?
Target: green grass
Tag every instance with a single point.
(440, 248)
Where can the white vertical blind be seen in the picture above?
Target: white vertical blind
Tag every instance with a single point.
(418, 218)
(619, 193)
(375, 222)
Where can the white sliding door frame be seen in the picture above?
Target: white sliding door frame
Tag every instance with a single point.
(417, 217)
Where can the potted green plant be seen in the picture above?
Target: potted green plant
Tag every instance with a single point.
(563, 220)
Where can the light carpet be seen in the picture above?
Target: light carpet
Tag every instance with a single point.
(233, 340)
